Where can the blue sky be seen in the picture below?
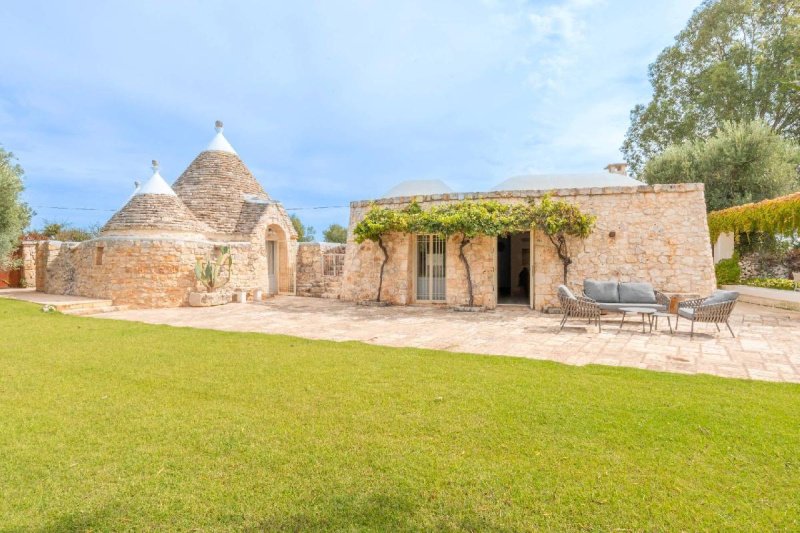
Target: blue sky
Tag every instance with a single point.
(326, 102)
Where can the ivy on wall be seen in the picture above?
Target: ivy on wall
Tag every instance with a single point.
(778, 215)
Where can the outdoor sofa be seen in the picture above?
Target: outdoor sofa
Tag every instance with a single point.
(613, 296)
(610, 296)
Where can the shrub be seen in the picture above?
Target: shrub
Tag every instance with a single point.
(770, 283)
(793, 260)
(728, 271)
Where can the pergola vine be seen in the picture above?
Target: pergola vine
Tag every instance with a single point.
(468, 219)
(777, 215)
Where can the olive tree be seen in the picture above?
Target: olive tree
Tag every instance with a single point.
(740, 163)
(735, 60)
(14, 213)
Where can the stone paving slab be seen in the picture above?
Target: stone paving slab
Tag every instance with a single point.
(56, 300)
(767, 346)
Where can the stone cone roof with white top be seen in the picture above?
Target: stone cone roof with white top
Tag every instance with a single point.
(217, 186)
(154, 206)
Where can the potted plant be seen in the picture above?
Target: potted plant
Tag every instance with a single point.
(213, 273)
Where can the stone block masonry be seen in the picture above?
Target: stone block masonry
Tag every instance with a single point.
(657, 234)
(312, 278)
(139, 272)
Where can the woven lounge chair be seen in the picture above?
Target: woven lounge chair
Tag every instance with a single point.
(716, 308)
(577, 307)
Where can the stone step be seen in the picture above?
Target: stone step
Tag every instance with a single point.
(84, 304)
(96, 310)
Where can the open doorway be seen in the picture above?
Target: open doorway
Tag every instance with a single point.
(513, 269)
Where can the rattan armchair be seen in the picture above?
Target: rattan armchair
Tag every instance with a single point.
(577, 307)
(716, 309)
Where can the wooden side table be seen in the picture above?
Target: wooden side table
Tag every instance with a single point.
(675, 299)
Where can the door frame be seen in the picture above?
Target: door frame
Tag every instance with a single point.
(531, 263)
(272, 253)
(415, 273)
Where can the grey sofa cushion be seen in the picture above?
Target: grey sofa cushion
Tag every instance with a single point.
(720, 297)
(601, 291)
(637, 293)
(686, 312)
(617, 306)
(564, 290)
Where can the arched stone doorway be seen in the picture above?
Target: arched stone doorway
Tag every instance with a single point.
(277, 256)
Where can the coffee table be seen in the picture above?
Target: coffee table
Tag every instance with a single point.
(644, 311)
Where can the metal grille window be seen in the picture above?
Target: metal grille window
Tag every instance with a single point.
(332, 264)
(430, 268)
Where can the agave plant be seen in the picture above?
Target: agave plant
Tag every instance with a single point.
(211, 271)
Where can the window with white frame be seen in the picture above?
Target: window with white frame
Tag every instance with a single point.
(430, 268)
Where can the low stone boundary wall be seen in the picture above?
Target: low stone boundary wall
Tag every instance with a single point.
(319, 269)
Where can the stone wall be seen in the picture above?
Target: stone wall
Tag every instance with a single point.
(655, 233)
(757, 265)
(139, 272)
(311, 278)
(28, 269)
(148, 270)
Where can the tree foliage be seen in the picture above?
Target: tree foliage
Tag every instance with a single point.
(380, 222)
(335, 233)
(736, 60)
(63, 231)
(560, 221)
(777, 215)
(304, 233)
(468, 219)
(14, 213)
(740, 163)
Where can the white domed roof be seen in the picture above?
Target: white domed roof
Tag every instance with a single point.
(547, 182)
(418, 188)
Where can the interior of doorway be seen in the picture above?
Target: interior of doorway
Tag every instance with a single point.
(513, 269)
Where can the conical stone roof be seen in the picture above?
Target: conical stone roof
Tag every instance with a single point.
(217, 184)
(154, 206)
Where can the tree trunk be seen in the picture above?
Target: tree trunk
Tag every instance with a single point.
(464, 243)
(383, 265)
(560, 243)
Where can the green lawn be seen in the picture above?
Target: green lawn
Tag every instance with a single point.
(109, 425)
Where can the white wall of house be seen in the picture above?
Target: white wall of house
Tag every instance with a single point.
(723, 248)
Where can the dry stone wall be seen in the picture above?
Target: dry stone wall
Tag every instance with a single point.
(655, 233)
(154, 269)
(28, 269)
(141, 272)
(311, 277)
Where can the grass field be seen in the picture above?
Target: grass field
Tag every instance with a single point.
(110, 425)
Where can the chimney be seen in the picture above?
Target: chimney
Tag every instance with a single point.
(617, 168)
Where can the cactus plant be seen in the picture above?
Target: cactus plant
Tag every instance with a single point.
(210, 271)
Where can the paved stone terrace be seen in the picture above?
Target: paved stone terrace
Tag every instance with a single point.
(767, 346)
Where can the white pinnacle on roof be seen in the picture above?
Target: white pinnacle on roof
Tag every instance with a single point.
(155, 185)
(219, 143)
